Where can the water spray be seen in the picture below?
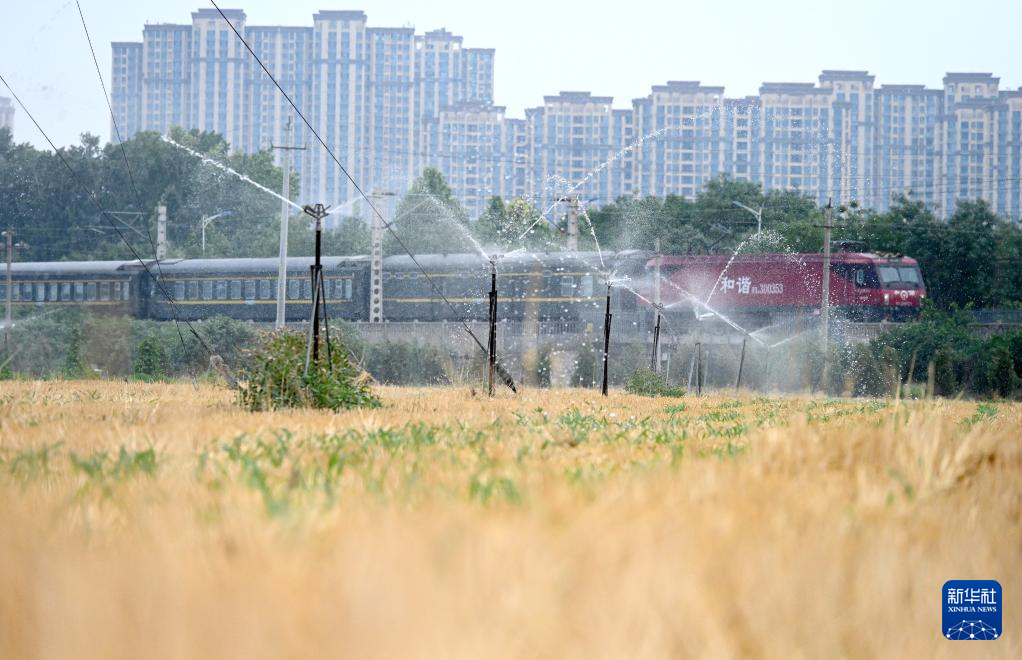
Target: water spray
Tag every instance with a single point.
(220, 166)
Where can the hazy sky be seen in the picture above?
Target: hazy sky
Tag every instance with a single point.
(618, 49)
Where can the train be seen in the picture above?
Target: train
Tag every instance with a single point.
(863, 287)
(553, 286)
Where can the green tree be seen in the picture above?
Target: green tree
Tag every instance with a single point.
(429, 219)
(150, 362)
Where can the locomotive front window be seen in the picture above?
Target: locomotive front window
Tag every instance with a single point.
(902, 276)
(888, 274)
(908, 274)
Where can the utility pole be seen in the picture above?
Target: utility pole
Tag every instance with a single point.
(573, 225)
(161, 232)
(9, 235)
(284, 214)
(825, 302)
(376, 259)
(572, 222)
(11, 245)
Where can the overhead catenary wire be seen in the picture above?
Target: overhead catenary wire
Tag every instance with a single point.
(349, 177)
(91, 196)
(124, 156)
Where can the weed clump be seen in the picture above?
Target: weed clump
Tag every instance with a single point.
(646, 382)
(274, 377)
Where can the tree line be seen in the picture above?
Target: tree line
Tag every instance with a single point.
(974, 258)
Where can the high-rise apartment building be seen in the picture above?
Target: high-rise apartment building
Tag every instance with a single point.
(571, 149)
(390, 102)
(6, 113)
(682, 146)
(467, 147)
(126, 89)
(337, 105)
(166, 78)
(908, 144)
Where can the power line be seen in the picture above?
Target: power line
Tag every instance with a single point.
(124, 156)
(351, 179)
(91, 196)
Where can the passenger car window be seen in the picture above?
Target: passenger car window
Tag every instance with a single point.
(567, 287)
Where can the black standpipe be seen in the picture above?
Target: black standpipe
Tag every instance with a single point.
(606, 342)
(316, 271)
(492, 343)
(653, 366)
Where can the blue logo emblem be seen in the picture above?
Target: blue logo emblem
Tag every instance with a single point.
(972, 609)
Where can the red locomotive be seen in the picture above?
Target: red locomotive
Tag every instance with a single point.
(768, 287)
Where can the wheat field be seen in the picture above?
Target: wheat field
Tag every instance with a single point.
(162, 521)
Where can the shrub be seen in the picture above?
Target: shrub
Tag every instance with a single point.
(404, 363)
(274, 377)
(1001, 375)
(646, 382)
(150, 361)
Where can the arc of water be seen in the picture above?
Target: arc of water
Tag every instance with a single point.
(209, 161)
(713, 312)
(447, 216)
